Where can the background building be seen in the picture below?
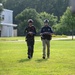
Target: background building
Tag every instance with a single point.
(6, 25)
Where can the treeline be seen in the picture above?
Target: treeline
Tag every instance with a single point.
(57, 11)
(38, 19)
(57, 7)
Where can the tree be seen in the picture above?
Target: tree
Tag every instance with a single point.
(23, 19)
(68, 21)
(1, 7)
(57, 7)
(0, 1)
(52, 19)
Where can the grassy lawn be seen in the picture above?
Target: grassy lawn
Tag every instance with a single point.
(14, 61)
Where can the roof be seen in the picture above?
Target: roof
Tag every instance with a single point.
(8, 10)
(8, 24)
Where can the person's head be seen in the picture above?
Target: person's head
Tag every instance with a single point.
(46, 21)
(30, 21)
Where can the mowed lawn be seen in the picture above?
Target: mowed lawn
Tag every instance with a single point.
(14, 61)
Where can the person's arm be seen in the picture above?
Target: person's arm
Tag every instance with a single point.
(34, 33)
(25, 31)
(41, 32)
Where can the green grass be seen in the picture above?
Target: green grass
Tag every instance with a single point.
(13, 58)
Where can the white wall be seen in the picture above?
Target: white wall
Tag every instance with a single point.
(7, 23)
(7, 31)
(8, 16)
(4, 31)
(15, 32)
(11, 31)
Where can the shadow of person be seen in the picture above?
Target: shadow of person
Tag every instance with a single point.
(41, 60)
(24, 60)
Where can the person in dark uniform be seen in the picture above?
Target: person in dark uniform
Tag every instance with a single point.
(46, 35)
(30, 31)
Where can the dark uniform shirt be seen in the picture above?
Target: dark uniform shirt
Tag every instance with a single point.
(46, 29)
(30, 29)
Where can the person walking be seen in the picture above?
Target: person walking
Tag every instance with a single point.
(46, 36)
(30, 31)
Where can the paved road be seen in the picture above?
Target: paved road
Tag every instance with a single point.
(68, 37)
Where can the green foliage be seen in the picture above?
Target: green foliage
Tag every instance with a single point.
(0, 1)
(1, 8)
(23, 17)
(57, 29)
(37, 18)
(67, 23)
(52, 19)
(68, 19)
(50, 6)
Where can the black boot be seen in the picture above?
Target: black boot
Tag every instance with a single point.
(43, 57)
(29, 57)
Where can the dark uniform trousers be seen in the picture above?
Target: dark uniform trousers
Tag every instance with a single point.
(30, 44)
(30, 40)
